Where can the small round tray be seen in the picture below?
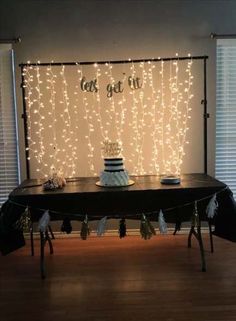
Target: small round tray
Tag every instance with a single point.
(130, 182)
(170, 180)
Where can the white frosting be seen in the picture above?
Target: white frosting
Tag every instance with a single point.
(114, 178)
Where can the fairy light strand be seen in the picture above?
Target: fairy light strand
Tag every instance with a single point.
(76, 122)
(188, 109)
(90, 128)
(177, 113)
(122, 112)
(172, 138)
(28, 78)
(162, 115)
(67, 131)
(134, 124)
(99, 109)
(114, 118)
(142, 124)
(51, 79)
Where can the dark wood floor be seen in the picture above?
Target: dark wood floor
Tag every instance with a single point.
(108, 279)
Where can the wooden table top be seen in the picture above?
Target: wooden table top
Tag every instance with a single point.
(82, 195)
(142, 183)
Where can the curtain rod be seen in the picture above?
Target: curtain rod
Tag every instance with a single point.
(112, 61)
(13, 40)
(222, 36)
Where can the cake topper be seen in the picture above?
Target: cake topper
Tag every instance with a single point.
(111, 149)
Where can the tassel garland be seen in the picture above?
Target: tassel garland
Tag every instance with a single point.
(85, 231)
(122, 228)
(66, 226)
(162, 223)
(24, 222)
(101, 226)
(44, 222)
(212, 207)
(146, 228)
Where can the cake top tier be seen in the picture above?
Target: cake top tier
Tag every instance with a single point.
(111, 150)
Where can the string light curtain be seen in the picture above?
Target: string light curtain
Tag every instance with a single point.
(72, 110)
(9, 170)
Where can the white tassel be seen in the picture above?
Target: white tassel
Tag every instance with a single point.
(44, 221)
(162, 223)
(212, 207)
(101, 226)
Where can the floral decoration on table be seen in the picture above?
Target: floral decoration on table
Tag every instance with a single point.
(55, 181)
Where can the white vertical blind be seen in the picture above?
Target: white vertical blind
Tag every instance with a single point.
(9, 173)
(226, 112)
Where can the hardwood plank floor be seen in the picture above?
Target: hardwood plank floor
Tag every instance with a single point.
(108, 279)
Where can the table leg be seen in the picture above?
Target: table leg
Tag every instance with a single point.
(51, 232)
(190, 236)
(177, 227)
(196, 223)
(32, 238)
(49, 242)
(211, 238)
(42, 264)
(44, 238)
(201, 248)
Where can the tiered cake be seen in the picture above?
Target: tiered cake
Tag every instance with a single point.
(114, 173)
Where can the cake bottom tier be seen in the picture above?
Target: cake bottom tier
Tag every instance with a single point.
(114, 178)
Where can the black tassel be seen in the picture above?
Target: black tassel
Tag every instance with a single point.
(122, 228)
(66, 226)
(177, 226)
(85, 231)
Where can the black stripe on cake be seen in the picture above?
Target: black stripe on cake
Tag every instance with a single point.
(118, 164)
(113, 159)
(113, 170)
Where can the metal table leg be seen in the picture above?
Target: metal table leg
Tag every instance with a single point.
(32, 238)
(47, 238)
(211, 238)
(51, 232)
(201, 248)
(196, 223)
(44, 238)
(42, 265)
(177, 227)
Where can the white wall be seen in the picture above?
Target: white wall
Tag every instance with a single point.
(104, 30)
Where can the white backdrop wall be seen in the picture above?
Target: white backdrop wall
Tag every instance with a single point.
(113, 30)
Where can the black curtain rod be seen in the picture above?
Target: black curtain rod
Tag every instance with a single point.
(112, 61)
(222, 36)
(13, 40)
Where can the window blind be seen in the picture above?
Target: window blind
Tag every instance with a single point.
(226, 112)
(9, 169)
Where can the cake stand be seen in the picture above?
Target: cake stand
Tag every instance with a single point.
(130, 182)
